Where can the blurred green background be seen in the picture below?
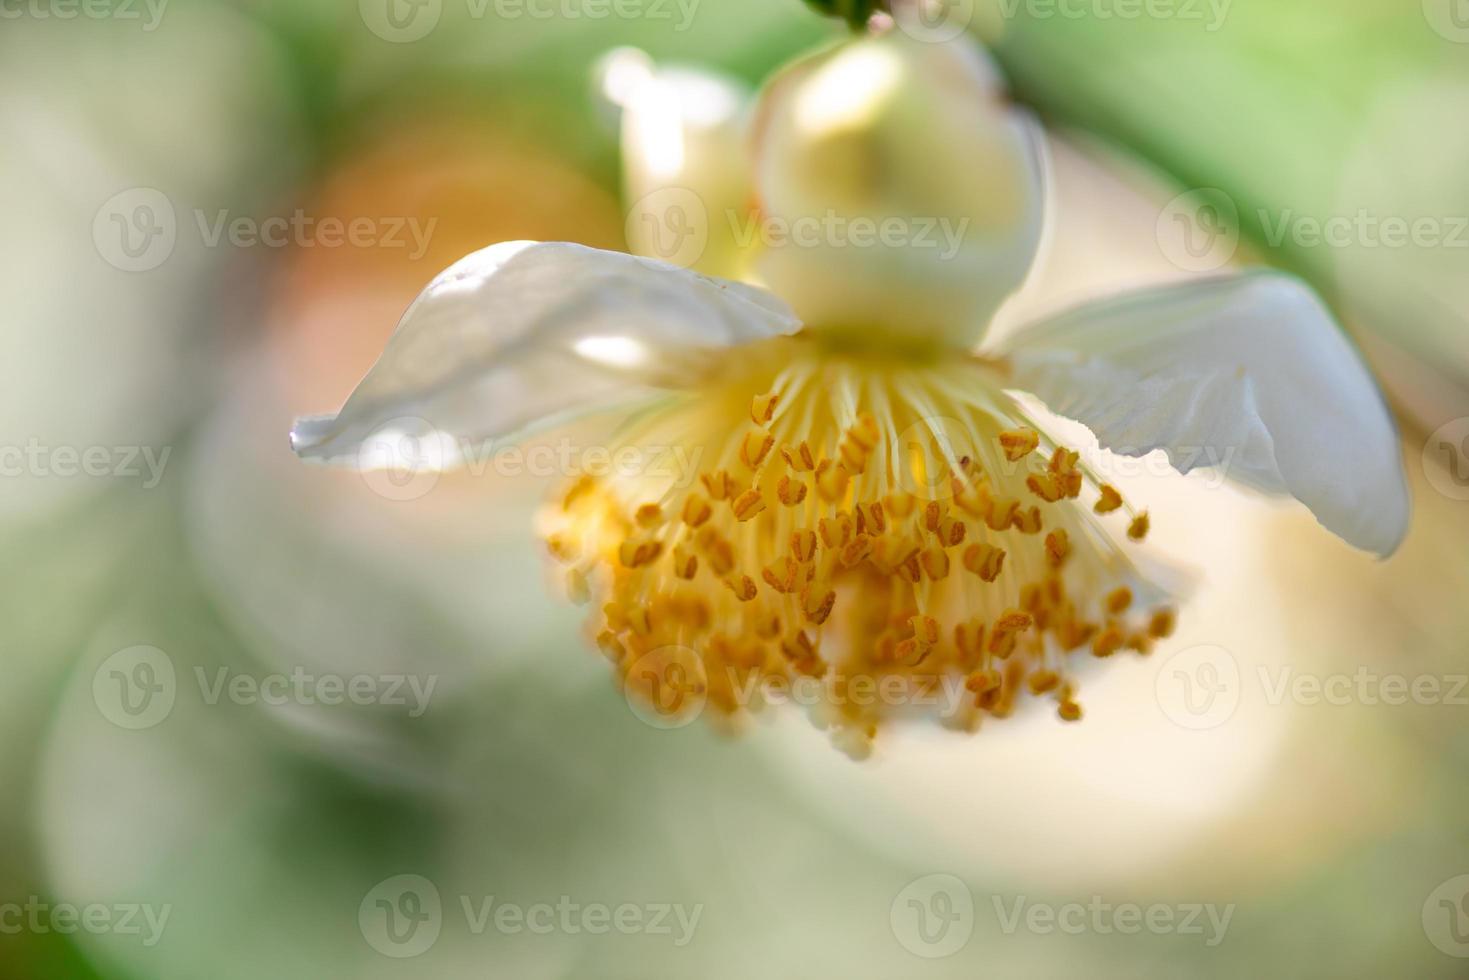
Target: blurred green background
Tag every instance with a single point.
(229, 837)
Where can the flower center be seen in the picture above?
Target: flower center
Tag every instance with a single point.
(874, 539)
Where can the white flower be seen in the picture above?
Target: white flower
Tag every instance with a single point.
(873, 506)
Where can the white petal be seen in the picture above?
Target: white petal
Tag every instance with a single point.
(911, 193)
(1250, 370)
(685, 162)
(525, 332)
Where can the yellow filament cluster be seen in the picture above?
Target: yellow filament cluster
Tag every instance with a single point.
(852, 520)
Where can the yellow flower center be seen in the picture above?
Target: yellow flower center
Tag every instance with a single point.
(889, 539)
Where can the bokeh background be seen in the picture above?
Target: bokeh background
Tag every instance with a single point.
(225, 837)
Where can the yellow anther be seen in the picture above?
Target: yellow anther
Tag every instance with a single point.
(685, 562)
(635, 554)
(1138, 529)
(984, 560)
(649, 515)
(782, 575)
(791, 492)
(835, 531)
(743, 587)
(1108, 641)
(640, 620)
(983, 681)
(1063, 460)
(1161, 624)
(1001, 514)
(933, 515)
(562, 548)
(870, 520)
(801, 458)
(1047, 486)
(817, 605)
(803, 545)
(721, 485)
(611, 646)
(857, 444)
(1069, 710)
(748, 504)
(1027, 520)
(1118, 600)
(1058, 547)
(762, 409)
(719, 551)
(1043, 680)
(831, 481)
(696, 510)
(755, 447)
(1014, 621)
(935, 562)
(899, 505)
(1109, 501)
(856, 550)
(1019, 443)
(952, 532)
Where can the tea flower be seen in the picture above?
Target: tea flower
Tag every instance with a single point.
(874, 505)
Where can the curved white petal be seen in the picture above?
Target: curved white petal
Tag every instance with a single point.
(524, 332)
(899, 191)
(685, 161)
(1248, 372)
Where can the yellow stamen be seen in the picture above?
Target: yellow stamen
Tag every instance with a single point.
(848, 537)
